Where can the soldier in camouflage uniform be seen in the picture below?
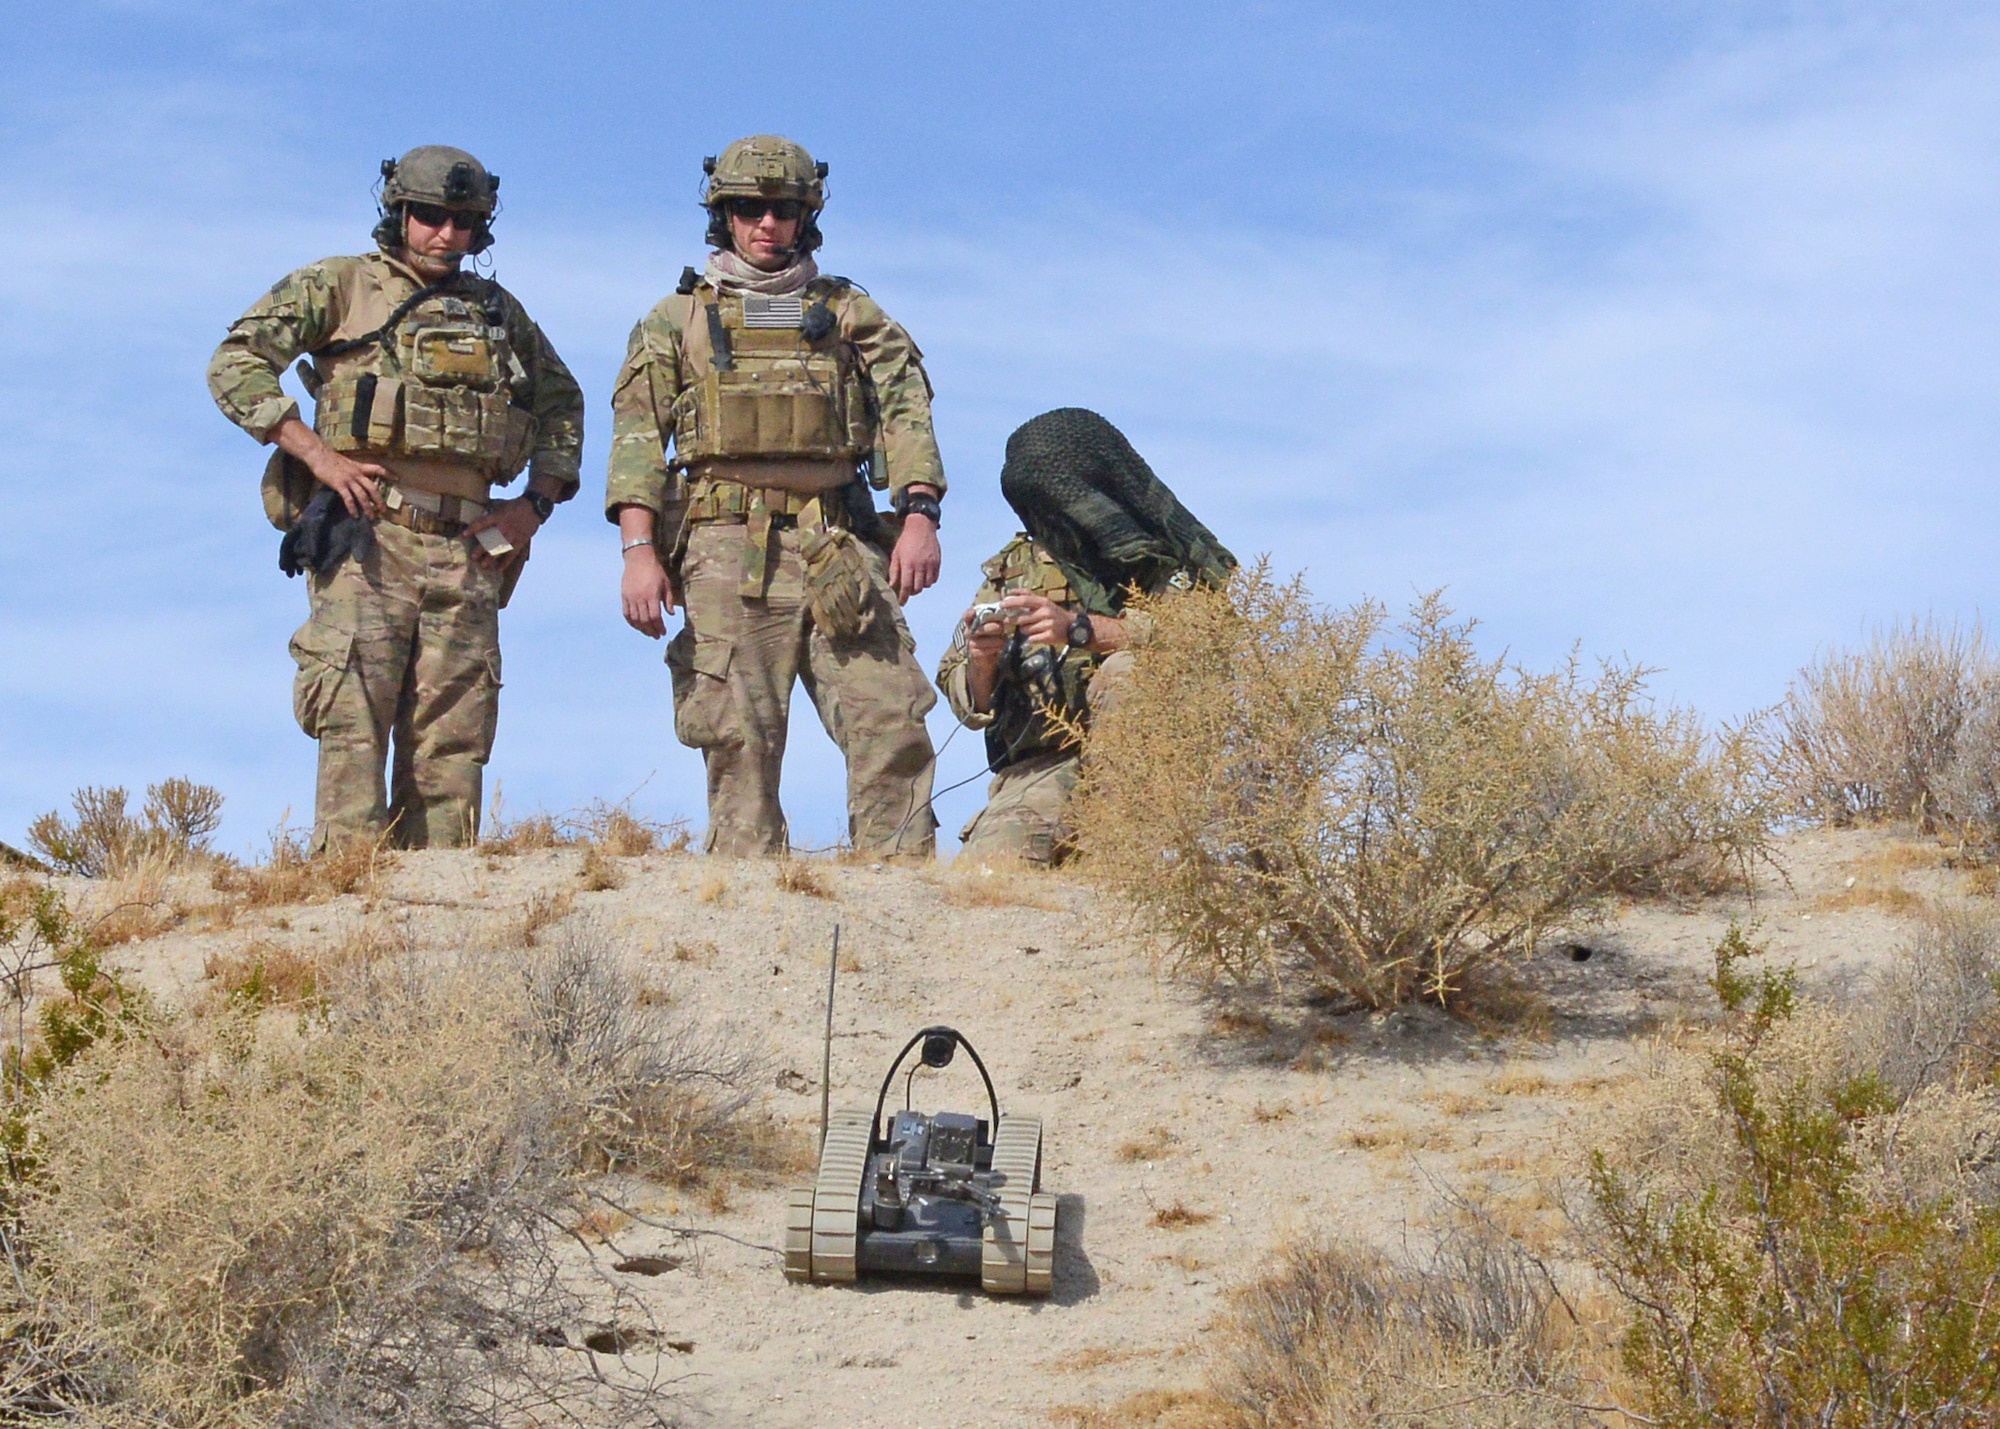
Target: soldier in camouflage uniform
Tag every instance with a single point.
(751, 402)
(1100, 525)
(430, 385)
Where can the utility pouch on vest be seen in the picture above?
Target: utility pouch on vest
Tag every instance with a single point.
(839, 590)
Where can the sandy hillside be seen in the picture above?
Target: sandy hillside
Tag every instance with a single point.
(1188, 1137)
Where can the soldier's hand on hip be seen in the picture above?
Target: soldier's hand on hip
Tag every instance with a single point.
(354, 481)
(647, 592)
(515, 519)
(914, 564)
(1040, 620)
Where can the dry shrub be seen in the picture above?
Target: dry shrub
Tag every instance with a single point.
(599, 872)
(101, 839)
(1798, 1210)
(1472, 1334)
(796, 876)
(1374, 813)
(613, 828)
(291, 874)
(265, 975)
(1906, 729)
(1934, 1017)
(355, 1217)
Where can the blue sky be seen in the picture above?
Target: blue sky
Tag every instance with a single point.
(1669, 329)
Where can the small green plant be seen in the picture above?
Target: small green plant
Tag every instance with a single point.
(38, 933)
(102, 839)
(1795, 1283)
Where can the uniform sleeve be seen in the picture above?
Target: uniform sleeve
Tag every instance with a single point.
(952, 674)
(902, 391)
(641, 423)
(297, 315)
(557, 403)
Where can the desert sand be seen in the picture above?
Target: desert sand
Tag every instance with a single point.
(1190, 1131)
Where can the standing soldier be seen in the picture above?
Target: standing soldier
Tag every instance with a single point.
(751, 401)
(430, 385)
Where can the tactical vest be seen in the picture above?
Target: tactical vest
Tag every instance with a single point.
(439, 381)
(769, 377)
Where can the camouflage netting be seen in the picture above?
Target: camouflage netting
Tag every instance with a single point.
(1094, 505)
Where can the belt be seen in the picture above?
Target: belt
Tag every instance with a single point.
(759, 509)
(426, 512)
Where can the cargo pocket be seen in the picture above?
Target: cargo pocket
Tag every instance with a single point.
(323, 654)
(489, 698)
(704, 712)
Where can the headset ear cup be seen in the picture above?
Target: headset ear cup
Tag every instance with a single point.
(388, 232)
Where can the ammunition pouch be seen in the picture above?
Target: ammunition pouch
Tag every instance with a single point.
(768, 390)
(398, 417)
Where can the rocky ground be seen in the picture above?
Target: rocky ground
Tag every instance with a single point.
(1189, 1134)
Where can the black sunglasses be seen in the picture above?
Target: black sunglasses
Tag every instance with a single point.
(432, 216)
(785, 210)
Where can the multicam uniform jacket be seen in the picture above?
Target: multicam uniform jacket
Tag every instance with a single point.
(344, 298)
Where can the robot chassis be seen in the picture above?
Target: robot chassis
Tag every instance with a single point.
(949, 1194)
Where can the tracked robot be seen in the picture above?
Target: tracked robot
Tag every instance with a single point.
(946, 1194)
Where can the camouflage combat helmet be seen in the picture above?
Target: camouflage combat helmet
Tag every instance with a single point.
(764, 166)
(437, 174)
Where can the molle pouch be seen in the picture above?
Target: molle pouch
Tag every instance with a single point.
(424, 419)
(454, 354)
(704, 709)
(839, 592)
(359, 412)
(778, 398)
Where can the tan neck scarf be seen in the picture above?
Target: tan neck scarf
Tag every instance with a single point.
(728, 272)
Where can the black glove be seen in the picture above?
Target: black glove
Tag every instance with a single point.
(324, 536)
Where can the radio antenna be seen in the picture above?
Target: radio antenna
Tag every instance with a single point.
(826, 1049)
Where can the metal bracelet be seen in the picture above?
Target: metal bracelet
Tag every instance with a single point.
(635, 545)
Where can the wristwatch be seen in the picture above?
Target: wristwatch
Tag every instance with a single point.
(543, 507)
(1081, 632)
(917, 503)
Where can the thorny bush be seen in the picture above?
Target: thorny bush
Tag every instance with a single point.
(1372, 813)
(1905, 729)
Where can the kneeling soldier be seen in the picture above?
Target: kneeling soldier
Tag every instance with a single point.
(775, 387)
(430, 385)
(1047, 634)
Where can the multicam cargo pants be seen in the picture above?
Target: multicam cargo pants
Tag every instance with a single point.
(402, 645)
(1023, 817)
(733, 666)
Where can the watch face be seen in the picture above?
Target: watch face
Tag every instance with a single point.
(1080, 632)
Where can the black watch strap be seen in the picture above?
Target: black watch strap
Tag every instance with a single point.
(543, 506)
(917, 503)
(1081, 631)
